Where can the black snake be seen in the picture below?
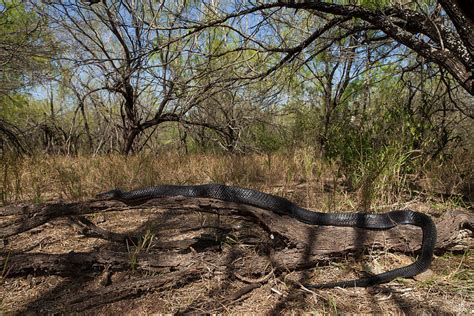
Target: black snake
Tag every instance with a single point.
(285, 207)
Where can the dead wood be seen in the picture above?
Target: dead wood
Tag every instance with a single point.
(287, 245)
(74, 263)
(21, 218)
(87, 228)
(116, 292)
(454, 228)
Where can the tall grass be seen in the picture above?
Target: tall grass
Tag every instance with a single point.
(301, 176)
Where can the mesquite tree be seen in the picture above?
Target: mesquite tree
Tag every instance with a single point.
(442, 33)
(152, 73)
(26, 49)
(138, 64)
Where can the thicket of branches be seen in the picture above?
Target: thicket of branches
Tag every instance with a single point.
(354, 79)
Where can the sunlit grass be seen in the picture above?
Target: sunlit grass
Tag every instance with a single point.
(300, 175)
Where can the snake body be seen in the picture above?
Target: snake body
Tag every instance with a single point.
(285, 207)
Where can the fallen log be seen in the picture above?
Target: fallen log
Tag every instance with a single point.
(455, 229)
(80, 263)
(113, 293)
(289, 245)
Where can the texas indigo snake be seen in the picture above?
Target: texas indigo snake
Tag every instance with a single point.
(285, 207)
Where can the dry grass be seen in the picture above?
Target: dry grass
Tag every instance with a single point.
(299, 176)
(43, 178)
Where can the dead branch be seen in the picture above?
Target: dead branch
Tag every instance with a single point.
(454, 228)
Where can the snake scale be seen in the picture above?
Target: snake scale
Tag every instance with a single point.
(285, 207)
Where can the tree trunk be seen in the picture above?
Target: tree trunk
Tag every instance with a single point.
(130, 137)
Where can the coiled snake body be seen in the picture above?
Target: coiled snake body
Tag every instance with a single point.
(285, 207)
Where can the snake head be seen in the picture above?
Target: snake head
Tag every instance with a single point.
(114, 194)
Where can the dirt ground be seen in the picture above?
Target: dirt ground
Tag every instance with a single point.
(228, 270)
